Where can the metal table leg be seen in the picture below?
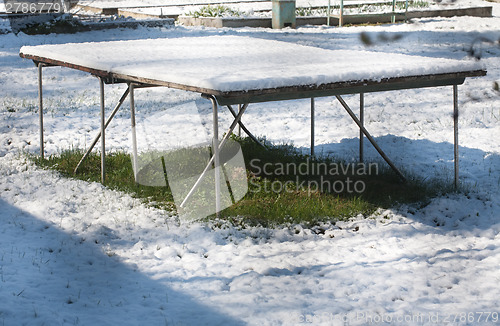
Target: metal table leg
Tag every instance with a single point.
(98, 136)
(40, 107)
(216, 151)
(103, 138)
(239, 127)
(455, 133)
(134, 135)
(362, 121)
(312, 126)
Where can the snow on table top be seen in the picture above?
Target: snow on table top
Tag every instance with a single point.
(235, 63)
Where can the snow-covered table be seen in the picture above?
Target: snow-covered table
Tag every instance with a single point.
(232, 70)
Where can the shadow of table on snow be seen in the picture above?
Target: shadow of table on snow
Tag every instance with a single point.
(50, 277)
(479, 173)
(423, 158)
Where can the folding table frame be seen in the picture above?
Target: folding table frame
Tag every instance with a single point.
(244, 98)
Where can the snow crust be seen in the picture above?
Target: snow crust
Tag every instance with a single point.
(240, 63)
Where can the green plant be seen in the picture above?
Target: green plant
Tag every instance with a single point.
(303, 11)
(215, 11)
(314, 11)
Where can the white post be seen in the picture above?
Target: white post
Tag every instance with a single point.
(341, 16)
(328, 14)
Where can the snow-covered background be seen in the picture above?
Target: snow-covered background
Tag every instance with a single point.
(261, 8)
(76, 253)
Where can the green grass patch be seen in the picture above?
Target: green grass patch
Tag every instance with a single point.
(285, 186)
(288, 186)
(119, 174)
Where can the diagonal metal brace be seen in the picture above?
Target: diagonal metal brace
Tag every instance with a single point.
(370, 138)
(245, 128)
(98, 136)
(212, 158)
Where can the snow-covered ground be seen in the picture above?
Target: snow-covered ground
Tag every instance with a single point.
(74, 253)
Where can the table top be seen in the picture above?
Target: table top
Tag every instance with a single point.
(239, 69)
